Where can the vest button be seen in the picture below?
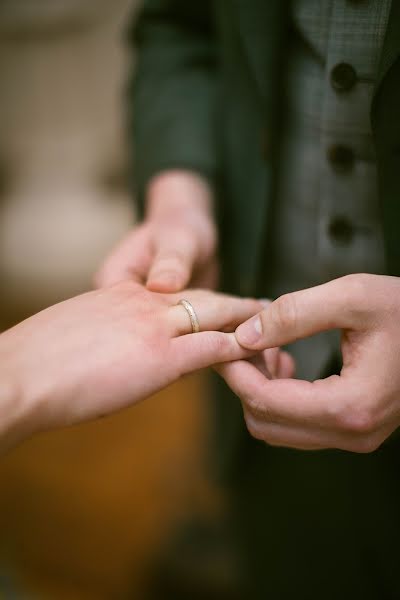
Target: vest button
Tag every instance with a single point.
(343, 77)
(341, 231)
(340, 157)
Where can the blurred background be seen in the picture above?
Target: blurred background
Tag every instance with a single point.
(84, 510)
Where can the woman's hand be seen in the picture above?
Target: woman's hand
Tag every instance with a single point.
(102, 351)
(176, 244)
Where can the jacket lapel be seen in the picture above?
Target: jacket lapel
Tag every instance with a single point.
(261, 26)
(259, 23)
(391, 46)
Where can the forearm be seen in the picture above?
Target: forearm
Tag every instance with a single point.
(15, 406)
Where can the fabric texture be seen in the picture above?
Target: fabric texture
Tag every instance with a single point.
(327, 166)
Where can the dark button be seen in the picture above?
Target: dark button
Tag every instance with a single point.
(341, 157)
(343, 77)
(340, 230)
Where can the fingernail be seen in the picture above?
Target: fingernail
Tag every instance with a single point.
(249, 333)
(166, 277)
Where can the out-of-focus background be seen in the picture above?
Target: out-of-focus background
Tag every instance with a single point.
(82, 511)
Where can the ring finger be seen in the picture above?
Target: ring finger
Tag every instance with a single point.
(214, 312)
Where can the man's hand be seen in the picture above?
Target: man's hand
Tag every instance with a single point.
(355, 411)
(176, 244)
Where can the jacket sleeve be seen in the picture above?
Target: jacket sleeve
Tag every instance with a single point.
(172, 96)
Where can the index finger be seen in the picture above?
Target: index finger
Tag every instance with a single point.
(320, 403)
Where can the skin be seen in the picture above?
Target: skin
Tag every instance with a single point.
(106, 350)
(356, 410)
(176, 244)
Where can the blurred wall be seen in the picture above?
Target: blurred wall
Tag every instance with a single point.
(81, 510)
(63, 197)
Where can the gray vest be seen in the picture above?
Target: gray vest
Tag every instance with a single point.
(326, 222)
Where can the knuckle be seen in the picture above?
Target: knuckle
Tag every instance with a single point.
(284, 312)
(361, 420)
(356, 282)
(254, 428)
(254, 405)
(220, 345)
(357, 291)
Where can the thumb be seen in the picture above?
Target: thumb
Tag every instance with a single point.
(338, 304)
(174, 260)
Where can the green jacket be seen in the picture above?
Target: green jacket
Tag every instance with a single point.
(206, 98)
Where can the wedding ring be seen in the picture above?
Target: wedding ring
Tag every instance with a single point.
(192, 315)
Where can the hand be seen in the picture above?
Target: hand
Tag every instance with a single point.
(356, 410)
(273, 363)
(176, 244)
(105, 350)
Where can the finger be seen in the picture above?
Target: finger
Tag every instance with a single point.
(215, 312)
(272, 360)
(274, 363)
(173, 262)
(321, 403)
(337, 304)
(306, 438)
(276, 434)
(267, 362)
(131, 259)
(287, 365)
(205, 349)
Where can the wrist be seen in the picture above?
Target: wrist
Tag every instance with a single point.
(15, 403)
(179, 194)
